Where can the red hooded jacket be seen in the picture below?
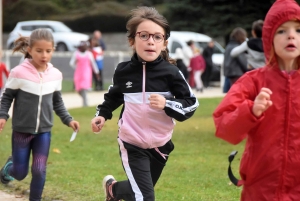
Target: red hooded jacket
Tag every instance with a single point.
(270, 165)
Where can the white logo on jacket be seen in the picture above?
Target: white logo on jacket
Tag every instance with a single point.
(128, 84)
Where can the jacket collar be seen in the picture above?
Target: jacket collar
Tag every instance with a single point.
(138, 64)
(27, 64)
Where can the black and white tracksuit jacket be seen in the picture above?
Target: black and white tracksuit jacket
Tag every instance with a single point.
(133, 82)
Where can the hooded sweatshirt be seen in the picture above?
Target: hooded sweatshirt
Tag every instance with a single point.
(269, 167)
(255, 53)
(35, 97)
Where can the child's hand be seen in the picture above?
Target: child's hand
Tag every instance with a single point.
(157, 101)
(97, 124)
(2, 124)
(262, 102)
(74, 125)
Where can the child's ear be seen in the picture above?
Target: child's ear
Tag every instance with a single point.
(253, 34)
(29, 50)
(166, 44)
(131, 43)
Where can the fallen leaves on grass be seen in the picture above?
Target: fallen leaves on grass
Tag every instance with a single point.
(55, 150)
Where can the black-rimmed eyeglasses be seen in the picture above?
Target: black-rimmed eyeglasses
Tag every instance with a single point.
(157, 37)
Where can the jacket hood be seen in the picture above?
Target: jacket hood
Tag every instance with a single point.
(280, 12)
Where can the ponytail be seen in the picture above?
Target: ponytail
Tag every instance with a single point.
(165, 55)
(21, 45)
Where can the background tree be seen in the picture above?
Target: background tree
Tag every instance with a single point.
(216, 18)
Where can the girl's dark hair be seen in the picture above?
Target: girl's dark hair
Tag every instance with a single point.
(257, 28)
(141, 14)
(21, 44)
(238, 34)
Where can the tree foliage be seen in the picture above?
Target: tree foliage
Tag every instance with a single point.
(215, 17)
(80, 15)
(28, 10)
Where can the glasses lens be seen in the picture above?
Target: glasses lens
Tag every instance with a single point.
(144, 35)
(158, 37)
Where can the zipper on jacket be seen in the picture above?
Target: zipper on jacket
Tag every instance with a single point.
(40, 103)
(144, 99)
(144, 82)
(285, 145)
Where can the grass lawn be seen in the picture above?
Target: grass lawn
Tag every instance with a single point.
(68, 86)
(196, 170)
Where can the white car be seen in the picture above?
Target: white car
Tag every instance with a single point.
(179, 39)
(65, 39)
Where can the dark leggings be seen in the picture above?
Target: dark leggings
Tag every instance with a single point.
(22, 145)
(143, 168)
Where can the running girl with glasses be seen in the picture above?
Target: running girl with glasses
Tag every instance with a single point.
(153, 93)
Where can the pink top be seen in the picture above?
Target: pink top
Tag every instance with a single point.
(197, 63)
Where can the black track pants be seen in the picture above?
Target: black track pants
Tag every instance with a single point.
(143, 168)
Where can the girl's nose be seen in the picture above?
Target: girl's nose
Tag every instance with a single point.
(150, 40)
(292, 34)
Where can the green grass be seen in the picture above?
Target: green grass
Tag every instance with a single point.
(68, 86)
(196, 170)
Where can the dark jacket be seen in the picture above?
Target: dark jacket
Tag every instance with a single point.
(234, 66)
(207, 55)
(182, 67)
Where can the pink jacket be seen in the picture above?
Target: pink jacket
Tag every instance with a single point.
(197, 63)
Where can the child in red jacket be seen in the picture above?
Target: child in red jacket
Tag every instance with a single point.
(197, 64)
(263, 107)
(3, 70)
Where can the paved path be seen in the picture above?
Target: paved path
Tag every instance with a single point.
(8, 197)
(73, 100)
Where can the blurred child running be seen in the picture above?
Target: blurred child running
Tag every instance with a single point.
(97, 52)
(3, 71)
(34, 86)
(153, 92)
(197, 64)
(263, 107)
(84, 63)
